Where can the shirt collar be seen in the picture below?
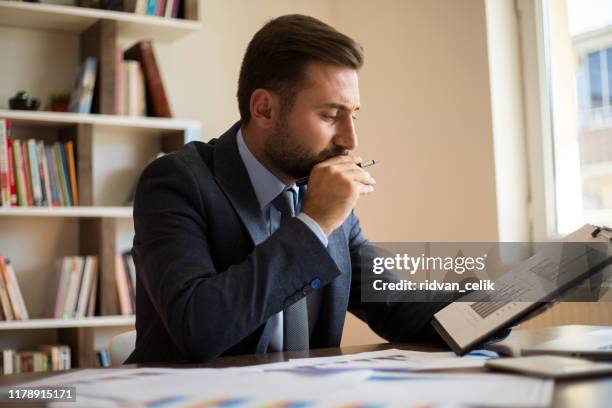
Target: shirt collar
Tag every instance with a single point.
(266, 185)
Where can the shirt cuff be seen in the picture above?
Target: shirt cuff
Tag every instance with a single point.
(314, 227)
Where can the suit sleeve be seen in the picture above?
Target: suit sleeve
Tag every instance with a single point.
(390, 318)
(205, 310)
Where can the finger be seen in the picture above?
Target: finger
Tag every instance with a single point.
(336, 160)
(364, 188)
(360, 175)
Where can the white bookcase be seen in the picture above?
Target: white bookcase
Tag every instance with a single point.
(110, 151)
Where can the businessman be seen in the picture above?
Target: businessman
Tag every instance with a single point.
(231, 256)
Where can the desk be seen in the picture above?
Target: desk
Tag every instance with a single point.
(568, 394)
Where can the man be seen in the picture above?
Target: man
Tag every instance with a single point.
(224, 267)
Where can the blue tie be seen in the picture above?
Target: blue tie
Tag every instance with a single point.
(295, 316)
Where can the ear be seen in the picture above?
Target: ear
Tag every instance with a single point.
(264, 106)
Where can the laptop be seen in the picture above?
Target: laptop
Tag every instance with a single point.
(593, 345)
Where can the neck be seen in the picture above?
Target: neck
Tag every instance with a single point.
(254, 139)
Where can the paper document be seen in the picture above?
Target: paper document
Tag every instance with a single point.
(298, 384)
(392, 359)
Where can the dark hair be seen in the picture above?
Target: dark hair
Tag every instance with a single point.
(277, 57)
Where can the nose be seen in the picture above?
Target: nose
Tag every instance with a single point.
(346, 137)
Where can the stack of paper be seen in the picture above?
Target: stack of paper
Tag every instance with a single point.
(319, 382)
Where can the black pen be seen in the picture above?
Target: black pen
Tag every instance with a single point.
(304, 180)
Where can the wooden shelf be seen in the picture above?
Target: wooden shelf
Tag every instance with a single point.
(78, 19)
(61, 118)
(67, 212)
(97, 321)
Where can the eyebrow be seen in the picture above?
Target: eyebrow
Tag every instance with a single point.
(339, 106)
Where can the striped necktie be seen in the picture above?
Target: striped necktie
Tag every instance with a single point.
(295, 316)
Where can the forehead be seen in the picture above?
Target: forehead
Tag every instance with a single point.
(332, 84)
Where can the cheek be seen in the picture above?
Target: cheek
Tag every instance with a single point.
(313, 132)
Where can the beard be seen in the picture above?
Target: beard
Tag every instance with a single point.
(290, 157)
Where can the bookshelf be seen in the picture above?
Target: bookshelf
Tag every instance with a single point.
(68, 212)
(110, 153)
(96, 321)
(78, 19)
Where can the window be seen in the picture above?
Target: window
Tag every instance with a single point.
(574, 92)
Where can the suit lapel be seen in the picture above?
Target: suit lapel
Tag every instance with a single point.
(234, 180)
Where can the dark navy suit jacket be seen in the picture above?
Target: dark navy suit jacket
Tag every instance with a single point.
(204, 289)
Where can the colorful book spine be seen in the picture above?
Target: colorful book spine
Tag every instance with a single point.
(87, 282)
(26, 171)
(68, 146)
(20, 175)
(61, 174)
(44, 173)
(62, 286)
(37, 194)
(125, 304)
(74, 284)
(12, 286)
(5, 301)
(151, 5)
(5, 187)
(12, 179)
(160, 7)
(53, 179)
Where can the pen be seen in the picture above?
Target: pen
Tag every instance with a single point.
(304, 180)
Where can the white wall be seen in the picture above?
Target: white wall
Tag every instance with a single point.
(426, 115)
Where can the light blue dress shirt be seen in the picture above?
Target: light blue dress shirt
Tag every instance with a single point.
(267, 186)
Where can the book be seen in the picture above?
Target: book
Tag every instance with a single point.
(5, 187)
(135, 6)
(37, 194)
(13, 186)
(54, 357)
(133, 92)
(53, 177)
(25, 157)
(151, 5)
(89, 274)
(22, 195)
(190, 9)
(131, 282)
(103, 359)
(69, 152)
(74, 284)
(125, 304)
(10, 280)
(8, 357)
(65, 173)
(5, 301)
(81, 97)
(157, 102)
(62, 286)
(44, 174)
(93, 294)
(61, 173)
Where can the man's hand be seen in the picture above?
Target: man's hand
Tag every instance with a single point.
(334, 186)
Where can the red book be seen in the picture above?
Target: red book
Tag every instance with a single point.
(160, 7)
(5, 190)
(12, 173)
(25, 163)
